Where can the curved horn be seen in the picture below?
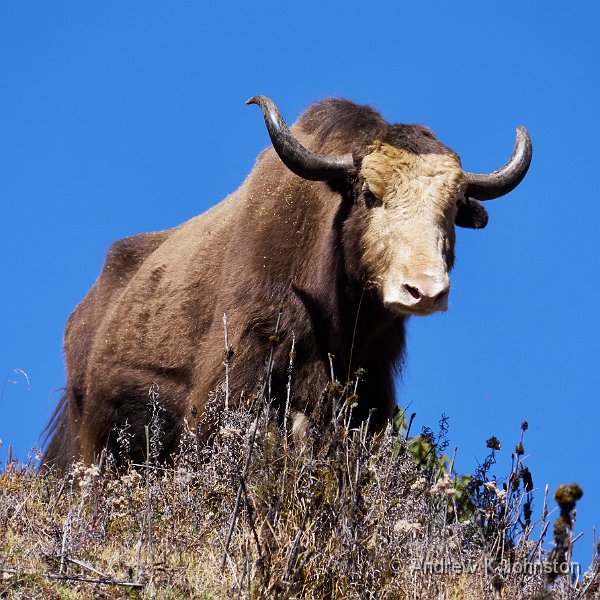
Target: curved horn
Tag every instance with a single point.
(493, 185)
(294, 155)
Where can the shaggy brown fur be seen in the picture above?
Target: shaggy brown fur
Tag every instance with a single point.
(155, 314)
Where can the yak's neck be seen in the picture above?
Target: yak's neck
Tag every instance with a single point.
(346, 312)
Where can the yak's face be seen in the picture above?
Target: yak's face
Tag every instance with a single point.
(408, 243)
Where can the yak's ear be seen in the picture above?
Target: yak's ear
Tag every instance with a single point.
(471, 214)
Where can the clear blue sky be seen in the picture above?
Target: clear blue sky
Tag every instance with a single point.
(118, 118)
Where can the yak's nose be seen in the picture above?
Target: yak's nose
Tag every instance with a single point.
(421, 295)
(426, 293)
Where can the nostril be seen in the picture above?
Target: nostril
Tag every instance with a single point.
(413, 291)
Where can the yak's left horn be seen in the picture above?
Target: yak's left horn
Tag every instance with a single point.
(493, 185)
(294, 155)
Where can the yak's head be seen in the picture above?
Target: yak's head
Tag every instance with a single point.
(415, 192)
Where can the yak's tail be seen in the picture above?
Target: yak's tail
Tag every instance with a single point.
(57, 438)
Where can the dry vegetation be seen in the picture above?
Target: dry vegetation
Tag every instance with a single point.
(256, 513)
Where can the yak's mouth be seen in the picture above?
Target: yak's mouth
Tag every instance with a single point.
(409, 311)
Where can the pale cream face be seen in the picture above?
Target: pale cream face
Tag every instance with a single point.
(409, 239)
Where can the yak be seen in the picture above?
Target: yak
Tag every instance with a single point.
(344, 228)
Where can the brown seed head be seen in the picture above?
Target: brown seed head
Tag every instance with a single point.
(567, 495)
(493, 443)
(527, 479)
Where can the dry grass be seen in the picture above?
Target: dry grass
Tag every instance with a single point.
(256, 513)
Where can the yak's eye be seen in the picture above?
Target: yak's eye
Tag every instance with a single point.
(371, 199)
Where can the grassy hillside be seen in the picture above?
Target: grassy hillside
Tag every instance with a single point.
(257, 513)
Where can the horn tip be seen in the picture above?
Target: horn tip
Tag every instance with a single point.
(524, 138)
(259, 100)
(522, 132)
